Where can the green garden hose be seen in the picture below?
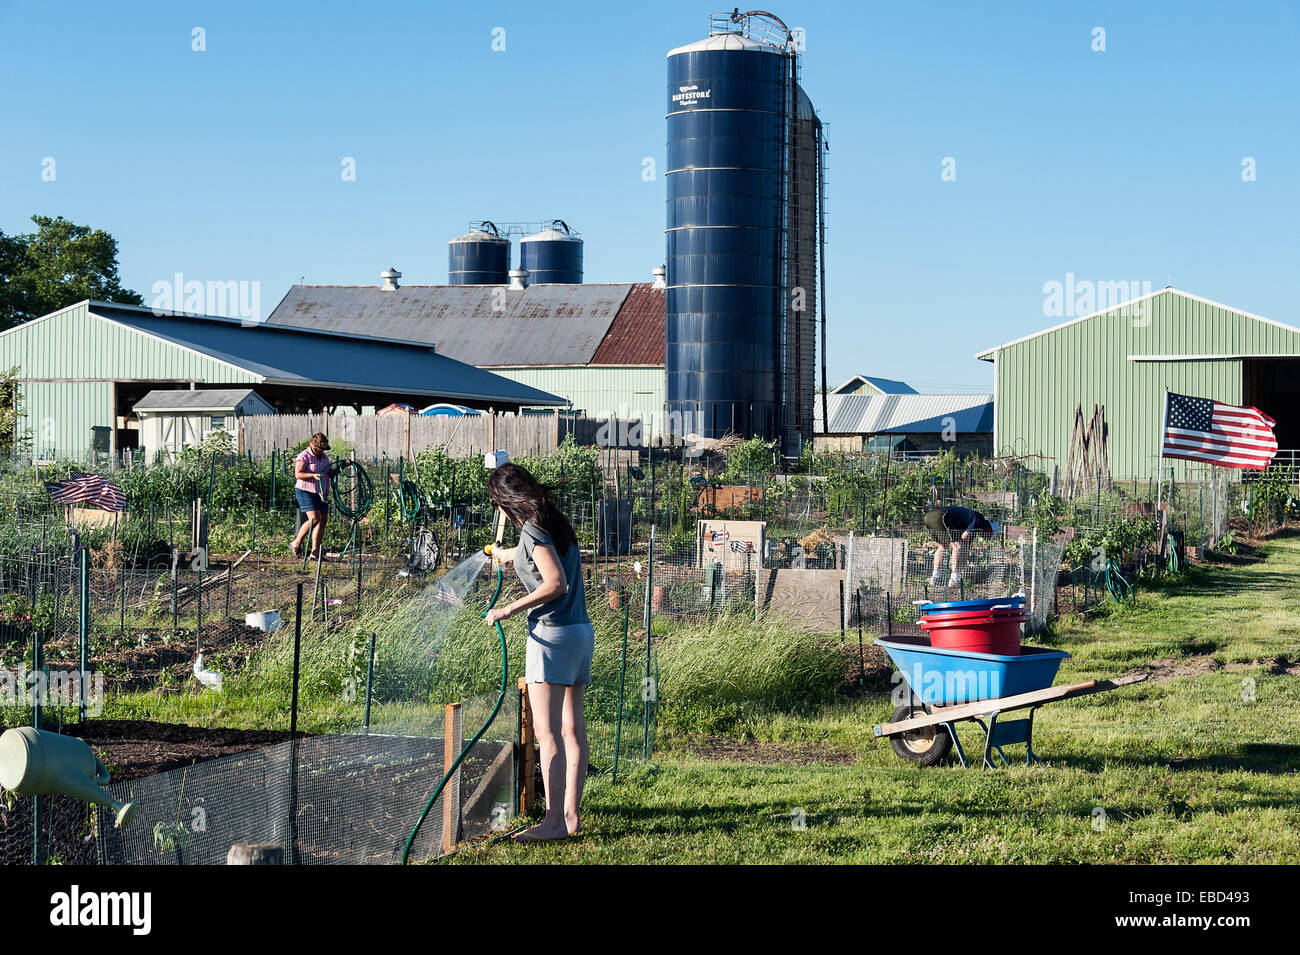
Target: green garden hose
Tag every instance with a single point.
(358, 479)
(451, 771)
(1120, 590)
(410, 500)
(360, 488)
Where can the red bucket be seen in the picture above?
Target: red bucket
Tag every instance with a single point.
(982, 631)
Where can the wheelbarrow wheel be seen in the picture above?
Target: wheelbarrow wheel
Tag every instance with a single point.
(925, 746)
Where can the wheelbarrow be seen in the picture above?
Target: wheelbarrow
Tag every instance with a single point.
(947, 687)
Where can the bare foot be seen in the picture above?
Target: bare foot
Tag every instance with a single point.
(540, 833)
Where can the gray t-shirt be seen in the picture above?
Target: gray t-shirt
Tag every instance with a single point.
(566, 609)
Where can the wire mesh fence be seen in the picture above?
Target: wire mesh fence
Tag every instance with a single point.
(667, 542)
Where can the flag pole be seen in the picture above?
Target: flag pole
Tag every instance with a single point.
(1160, 475)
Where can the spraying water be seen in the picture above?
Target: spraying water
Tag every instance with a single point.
(440, 605)
(435, 647)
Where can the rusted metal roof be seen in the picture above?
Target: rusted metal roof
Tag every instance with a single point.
(636, 336)
(478, 324)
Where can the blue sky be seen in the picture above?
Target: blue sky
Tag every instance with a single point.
(1122, 165)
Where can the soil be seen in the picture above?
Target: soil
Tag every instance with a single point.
(1170, 668)
(134, 748)
(1280, 664)
(865, 672)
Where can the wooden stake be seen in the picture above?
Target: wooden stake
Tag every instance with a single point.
(527, 751)
(450, 750)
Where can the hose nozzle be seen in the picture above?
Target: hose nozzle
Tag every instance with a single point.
(488, 550)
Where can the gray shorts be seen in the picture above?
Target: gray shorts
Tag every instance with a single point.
(559, 654)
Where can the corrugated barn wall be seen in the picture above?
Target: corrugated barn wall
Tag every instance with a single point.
(1041, 379)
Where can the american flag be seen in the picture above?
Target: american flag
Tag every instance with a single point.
(87, 489)
(1202, 429)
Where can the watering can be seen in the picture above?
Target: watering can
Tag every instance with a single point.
(38, 763)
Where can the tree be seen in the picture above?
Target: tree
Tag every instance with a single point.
(58, 264)
(11, 413)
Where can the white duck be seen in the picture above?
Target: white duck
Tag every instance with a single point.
(209, 678)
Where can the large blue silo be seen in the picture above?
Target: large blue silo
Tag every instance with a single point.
(728, 114)
(553, 255)
(480, 257)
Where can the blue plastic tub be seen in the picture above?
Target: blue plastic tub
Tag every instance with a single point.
(946, 677)
(968, 606)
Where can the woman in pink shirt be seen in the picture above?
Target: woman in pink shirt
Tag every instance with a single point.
(311, 469)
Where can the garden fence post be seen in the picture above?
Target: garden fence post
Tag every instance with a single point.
(370, 681)
(1033, 579)
(649, 691)
(37, 855)
(83, 626)
(842, 611)
(292, 846)
(175, 593)
(527, 751)
(622, 686)
(451, 734)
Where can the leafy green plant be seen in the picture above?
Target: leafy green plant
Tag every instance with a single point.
(170, 836)
(749, 461)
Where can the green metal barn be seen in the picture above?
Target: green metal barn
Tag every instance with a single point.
(1118, 363)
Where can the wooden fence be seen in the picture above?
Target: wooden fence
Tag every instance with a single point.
(374, 436)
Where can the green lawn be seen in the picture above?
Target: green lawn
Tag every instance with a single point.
(1198, 764)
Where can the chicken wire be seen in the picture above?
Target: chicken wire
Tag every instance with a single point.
(888, 577)
(66, 827)
(349, 799)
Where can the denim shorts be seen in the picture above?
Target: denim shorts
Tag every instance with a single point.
(310, 501)
(559, 654)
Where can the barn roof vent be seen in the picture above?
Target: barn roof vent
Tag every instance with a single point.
(390, 277)
(518, 278)
(660, 273)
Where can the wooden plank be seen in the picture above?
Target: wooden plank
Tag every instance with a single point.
(812, 596)
(450, 750)
(966, 711)
(527, 750)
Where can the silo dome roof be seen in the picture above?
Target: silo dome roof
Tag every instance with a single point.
(550, 235)
(726, 41)
(478, 235)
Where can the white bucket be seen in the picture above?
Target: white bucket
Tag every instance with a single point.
(264, 620)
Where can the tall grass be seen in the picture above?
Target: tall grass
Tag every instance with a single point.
(433, 648)
(731, 667)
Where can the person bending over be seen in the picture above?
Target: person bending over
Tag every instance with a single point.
(950, 527)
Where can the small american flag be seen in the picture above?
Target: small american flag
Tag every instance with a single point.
(1202, 429)
(87, 489)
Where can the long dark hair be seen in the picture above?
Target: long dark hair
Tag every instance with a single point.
(513, 489)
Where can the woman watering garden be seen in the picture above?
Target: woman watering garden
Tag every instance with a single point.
(561, 641)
